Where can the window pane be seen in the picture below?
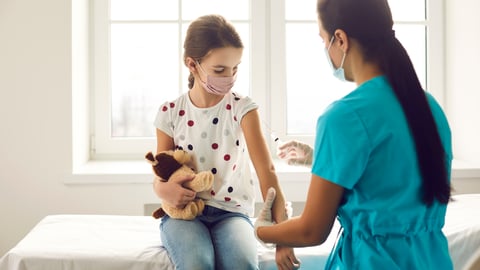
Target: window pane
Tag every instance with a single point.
(301, 10)
(242, 85)
(408, 10)
(143, 10)
(311, 86)
(413, 38)
(230, 9)
(144, 73)
(402, 10)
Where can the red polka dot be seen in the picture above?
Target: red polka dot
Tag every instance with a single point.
(229, 107)
(227, 199)
(226, 157)
(172, 105)
(234, 167)
(235, 118)
(164, 108)
(214, 146)
(181, 112)
(212, 193)
(190, 123)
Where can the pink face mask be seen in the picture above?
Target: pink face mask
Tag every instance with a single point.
(217, 85)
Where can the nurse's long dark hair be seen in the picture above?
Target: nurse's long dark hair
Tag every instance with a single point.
(370, 23)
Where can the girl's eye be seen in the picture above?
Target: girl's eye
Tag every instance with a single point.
(219, 71)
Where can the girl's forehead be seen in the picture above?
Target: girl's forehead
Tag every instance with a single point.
(227, 56)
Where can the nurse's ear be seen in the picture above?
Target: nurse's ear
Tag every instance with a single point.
(342, 39)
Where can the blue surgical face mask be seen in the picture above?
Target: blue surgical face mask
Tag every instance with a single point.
(339, 73)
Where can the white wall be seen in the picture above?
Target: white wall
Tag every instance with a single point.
(463, 57)
(462, 44)
(36, 126)
(36, 112)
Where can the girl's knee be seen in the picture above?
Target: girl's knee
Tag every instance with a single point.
(238, 262)
(195, 261)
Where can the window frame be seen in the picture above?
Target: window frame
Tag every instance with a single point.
(267, 73)
(434, 23)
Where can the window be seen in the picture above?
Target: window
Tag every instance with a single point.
(138, 52)
(137, 63)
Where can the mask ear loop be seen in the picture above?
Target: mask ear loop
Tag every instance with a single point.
(204, 72)
(198, 64)
(343, 59)
(330, 43)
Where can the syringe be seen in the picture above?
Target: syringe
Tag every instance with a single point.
(275, 138)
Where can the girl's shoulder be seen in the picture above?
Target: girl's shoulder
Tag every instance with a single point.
(174, 104)
(237, 102)
(237, 97)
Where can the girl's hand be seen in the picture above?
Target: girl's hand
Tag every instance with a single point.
(286, 259)
(173, 192)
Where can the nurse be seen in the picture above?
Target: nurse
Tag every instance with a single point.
(382, 157)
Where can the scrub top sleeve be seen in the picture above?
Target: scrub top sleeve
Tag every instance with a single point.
(342, 146)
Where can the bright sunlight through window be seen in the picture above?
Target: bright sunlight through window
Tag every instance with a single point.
(138, 63)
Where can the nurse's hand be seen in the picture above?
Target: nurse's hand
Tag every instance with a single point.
(295, 153)
(265, 216)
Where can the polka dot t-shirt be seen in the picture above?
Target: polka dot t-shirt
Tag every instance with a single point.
(214, 138)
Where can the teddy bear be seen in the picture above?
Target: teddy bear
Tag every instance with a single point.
(171, 165)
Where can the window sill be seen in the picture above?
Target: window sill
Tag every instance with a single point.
(139, 172)
(111, 172)
(462, 169)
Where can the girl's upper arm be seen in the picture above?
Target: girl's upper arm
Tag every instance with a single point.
(257, 147)
(262, 162)
(164, 142)
(252, 132)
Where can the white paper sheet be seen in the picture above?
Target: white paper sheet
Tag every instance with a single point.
(462, 228)
(79, 242)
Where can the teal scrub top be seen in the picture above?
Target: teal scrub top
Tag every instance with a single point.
(363, 144)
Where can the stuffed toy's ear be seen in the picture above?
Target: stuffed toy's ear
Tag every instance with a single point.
(166, 165)
(151, 159)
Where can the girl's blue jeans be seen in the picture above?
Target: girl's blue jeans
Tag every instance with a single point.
(217, 239)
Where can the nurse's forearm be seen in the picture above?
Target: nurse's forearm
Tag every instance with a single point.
(291, 233)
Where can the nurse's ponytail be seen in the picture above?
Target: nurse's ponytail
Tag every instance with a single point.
(396, 64)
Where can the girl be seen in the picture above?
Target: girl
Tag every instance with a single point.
(219, 128)
(382, 154)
